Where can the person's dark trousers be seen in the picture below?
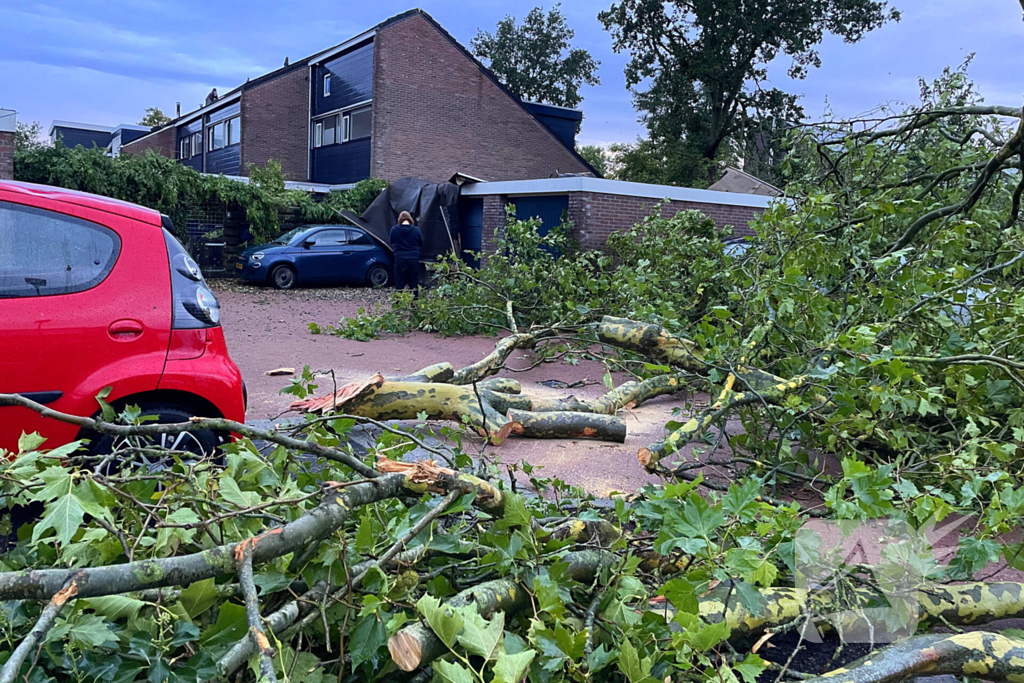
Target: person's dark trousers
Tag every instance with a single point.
(407, 274)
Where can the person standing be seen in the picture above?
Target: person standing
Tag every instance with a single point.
(406, 242)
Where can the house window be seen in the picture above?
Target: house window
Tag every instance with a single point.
(360, 123)
(235, 130)
(318, 134)
(225, 133)
(185, 148)
(331, 132)
(327, 85)
(197, 144)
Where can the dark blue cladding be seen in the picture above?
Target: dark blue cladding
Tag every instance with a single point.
(73, 137)
(196, 159)
(228, 159)
(345, 163)
(351, 80)
(225, 113)
(560, 121)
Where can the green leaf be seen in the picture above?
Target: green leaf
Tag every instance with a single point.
(512, 668)
(443, 621)
(630, 664)
(452, 672)
(369, 635)
(750, 668)
(199, 597)
(516, 513)
(479, 636)
(30, 442)
(230, 492)
(109, 414)
(115, 607)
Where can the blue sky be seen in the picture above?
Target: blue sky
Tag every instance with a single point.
(105, 61)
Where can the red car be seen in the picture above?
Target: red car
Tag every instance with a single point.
(96, 293)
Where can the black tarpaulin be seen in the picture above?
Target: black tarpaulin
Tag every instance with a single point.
(427, 202)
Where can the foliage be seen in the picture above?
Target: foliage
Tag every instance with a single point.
(356, 200)
(697, 61)
(597, 157)
(154, 117)
(28, 136)
(665, 269)
(888, 285)
(536, 60)
(174, 189)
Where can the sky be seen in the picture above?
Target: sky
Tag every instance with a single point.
(105, 61)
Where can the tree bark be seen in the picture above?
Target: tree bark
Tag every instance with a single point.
(385, 400)
(183, 570)
(990, 656)
(565, 425)
(652, 341)
(416, 645)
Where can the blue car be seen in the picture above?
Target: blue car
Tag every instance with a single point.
(318, 255)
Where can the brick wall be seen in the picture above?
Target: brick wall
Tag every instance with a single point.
(275, 121)
(6, 155)
(494, 220)
(596, 216)
(163, 142)
(435, 113)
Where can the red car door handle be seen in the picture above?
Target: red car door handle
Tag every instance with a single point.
(125, 329)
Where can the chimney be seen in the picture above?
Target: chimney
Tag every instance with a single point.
(177, 110)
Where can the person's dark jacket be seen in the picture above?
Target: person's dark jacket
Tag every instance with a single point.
(406, 242)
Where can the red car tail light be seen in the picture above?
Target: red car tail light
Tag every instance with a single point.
(194, 305)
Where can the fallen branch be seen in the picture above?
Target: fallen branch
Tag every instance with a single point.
(990, 656)
(566, 425)
(38, 632)
(195, 424)
(183, 570)
(257, 636)
(416, 645)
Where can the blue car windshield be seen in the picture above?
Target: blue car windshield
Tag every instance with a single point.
(291, 235)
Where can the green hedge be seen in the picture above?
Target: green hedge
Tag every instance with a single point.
(174, 189)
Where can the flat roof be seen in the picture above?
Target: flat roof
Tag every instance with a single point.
(621, 188)
(80, 126)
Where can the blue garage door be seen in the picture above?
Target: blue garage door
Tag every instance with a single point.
(551, 210)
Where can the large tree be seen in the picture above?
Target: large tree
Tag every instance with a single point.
(535, 60)
(698, 68)
(28, 136)
(154, 117)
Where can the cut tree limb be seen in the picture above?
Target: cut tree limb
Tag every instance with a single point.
(378, 399)
(652, 341)
(492, 363)
(183, 570)
(38, 633)
(257, 635)
(565, 425)
(416, 645)
(989, 656)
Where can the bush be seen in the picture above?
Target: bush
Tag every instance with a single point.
(662, 270)
(173, 189)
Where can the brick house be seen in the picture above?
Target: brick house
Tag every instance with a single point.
(597, 207)
(8, 124)
(401, 99)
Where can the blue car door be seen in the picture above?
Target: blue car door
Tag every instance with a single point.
(319, 260)
(358, 254)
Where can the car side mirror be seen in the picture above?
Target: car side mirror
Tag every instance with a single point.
(308, 243)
